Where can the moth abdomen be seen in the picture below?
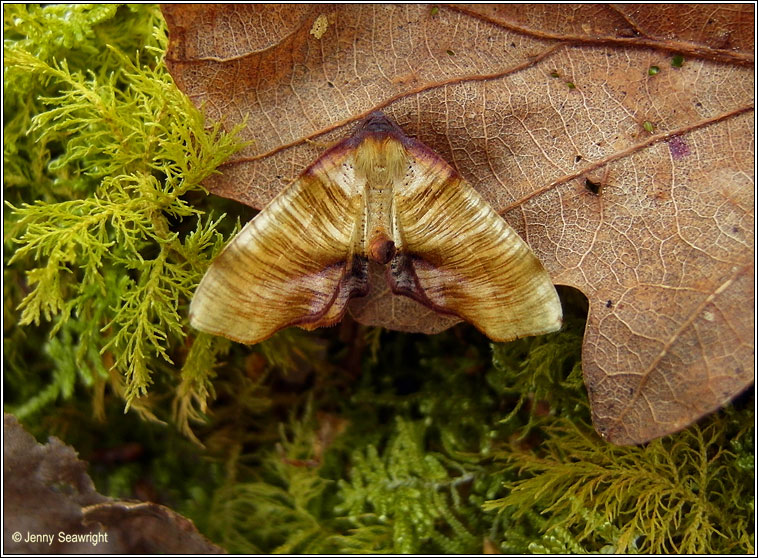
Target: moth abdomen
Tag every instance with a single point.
(381, 248)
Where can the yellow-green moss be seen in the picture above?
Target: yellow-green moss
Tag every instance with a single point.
(103, 230)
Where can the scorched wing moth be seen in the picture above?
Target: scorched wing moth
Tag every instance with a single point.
(384, 197)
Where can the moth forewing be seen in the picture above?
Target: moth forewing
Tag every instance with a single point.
(469, 262)
(285, 267)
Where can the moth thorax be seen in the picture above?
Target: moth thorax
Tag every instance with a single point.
(381, 160)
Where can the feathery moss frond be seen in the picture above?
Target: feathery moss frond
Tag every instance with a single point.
(679, 494)
(409, 489)
(127, 146)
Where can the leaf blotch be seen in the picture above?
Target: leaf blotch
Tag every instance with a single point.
(678, 147)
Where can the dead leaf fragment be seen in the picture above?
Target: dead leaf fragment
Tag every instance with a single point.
(663, 250)
(52, 507)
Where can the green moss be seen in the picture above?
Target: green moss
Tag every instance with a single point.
(342, 440)
(683, 493)
(110, 238)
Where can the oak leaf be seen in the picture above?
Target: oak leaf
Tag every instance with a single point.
(617, 140)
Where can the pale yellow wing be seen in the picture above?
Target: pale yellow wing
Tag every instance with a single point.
(293, 264)
(457, 255)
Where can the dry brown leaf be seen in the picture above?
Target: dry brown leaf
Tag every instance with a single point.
(632, 185)
(52, 507)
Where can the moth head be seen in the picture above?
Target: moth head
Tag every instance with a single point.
(378, 123)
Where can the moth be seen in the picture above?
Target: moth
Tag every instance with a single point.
(381, 198)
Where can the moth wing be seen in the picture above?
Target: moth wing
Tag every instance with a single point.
(293, 264)
(458, 256)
